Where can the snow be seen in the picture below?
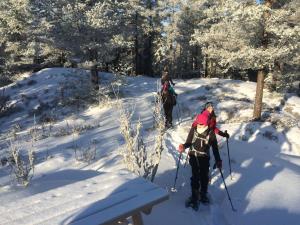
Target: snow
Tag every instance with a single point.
(265, 156)
(88, 197)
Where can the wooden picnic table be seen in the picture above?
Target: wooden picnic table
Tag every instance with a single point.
(107, 198)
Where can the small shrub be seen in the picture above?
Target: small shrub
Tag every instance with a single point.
(244, 138)
(19, 85)
(31, 82)
(4, 101)
(47, 118)
(245, 100)
(250, 130)
(5, 80)
(7, 160)
(136, 157)
(208, 87)
(269, 135)
(201, 98)
(231, 114)
(87, 154)
(22, 166)
(290, 110)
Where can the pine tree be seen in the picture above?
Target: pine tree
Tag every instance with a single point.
(16, 31)
(246, 35)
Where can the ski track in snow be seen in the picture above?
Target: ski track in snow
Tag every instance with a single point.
(258, 164)
(207, 214)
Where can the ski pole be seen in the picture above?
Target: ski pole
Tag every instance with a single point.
(186, 159)
(228, 156)
(179, 112)
(233, 209)
(173, 189)
(211, 172)
(178, 119)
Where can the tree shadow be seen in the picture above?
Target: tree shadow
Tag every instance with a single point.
(115, 199)
(257, 164)
(49, 181)
(260, 168)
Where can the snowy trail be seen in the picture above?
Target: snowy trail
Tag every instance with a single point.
(274, 166)
(207, 214)
(265, 160)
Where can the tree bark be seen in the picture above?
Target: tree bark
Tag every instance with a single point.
(261, 73)
(94, 77)
(259, 95)
(136, 46)
(206, 66)
(149, 42)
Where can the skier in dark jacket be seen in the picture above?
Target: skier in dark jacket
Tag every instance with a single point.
(169, 96)
(201, 136)
(166, 77)
(212, 124)
(169, 100)
(211, 120)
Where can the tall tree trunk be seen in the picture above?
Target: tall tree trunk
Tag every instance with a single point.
(259, 95)
(261, 73)
(95, 77)
(136, 47)
(206, 66)
(148, 48)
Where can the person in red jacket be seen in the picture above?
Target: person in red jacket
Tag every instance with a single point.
(212, 124)
(209, 112)
(201, 136)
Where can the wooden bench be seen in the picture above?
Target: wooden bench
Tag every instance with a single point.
(107, 198)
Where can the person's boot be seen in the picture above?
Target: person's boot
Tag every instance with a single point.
(204, 199)
(191, 202)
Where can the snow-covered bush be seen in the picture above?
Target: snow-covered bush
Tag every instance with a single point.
(139, 158)
(158, 146)
(22, 165)
(5, 80)
(131, 136)
(3, 101)
(22, 160)
(85, 154)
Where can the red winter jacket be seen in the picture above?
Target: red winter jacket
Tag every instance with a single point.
(206, 118)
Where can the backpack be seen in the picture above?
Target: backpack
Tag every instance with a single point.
(167, 90)
(200, 142)
(166, 86)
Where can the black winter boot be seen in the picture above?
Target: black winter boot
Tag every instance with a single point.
(190, 202)
(204, 199)
(193, 200)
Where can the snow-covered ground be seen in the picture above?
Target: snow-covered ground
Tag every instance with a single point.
(265, 156)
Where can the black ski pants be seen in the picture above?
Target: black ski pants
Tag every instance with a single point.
(200, 170)
(168, 109)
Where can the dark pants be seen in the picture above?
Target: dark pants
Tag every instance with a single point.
(199, 179)
(213, 141)
(168, 109)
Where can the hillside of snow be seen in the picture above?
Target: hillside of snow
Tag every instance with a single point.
(69, 120)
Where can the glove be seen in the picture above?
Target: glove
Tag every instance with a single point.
(224, 134)
(219, 164)
(181, 148)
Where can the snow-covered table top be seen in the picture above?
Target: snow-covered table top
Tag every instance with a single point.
(102, 199)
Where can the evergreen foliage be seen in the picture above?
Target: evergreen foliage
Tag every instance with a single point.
(191, 38)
